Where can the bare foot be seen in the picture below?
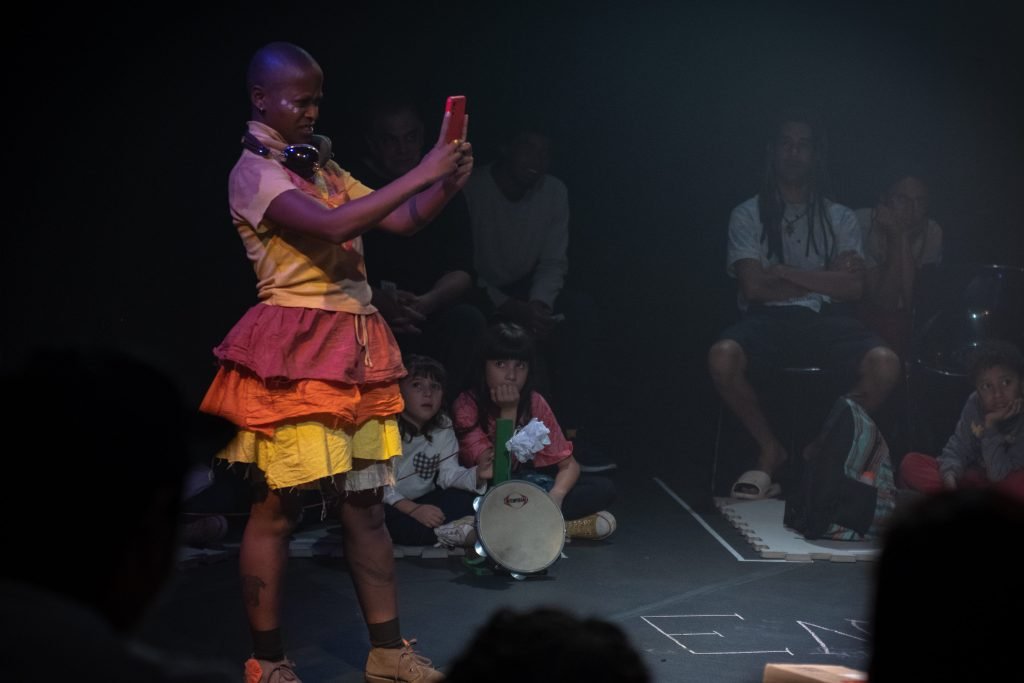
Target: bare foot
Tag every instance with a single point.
(771, 458)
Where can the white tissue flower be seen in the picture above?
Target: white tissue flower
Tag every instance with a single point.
(527, 441)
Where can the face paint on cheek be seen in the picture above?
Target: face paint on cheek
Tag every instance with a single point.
(289, 106)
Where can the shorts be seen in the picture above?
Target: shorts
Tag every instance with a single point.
(774, 337)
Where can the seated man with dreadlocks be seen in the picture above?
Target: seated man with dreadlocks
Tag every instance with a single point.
(797, 258)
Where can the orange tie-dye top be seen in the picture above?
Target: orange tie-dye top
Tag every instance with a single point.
(292, 268)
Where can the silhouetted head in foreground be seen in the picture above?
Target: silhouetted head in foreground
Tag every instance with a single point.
(548, 645)
(948, 590)
(99, 464)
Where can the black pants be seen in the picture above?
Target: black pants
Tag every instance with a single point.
(590, 494)
(405, 530)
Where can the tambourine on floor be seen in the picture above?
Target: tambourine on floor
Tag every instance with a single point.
(520, 530)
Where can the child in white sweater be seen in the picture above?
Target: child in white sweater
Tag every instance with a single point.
(432, 499)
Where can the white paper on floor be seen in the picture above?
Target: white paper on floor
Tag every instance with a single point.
(193, 557)
(760, 523)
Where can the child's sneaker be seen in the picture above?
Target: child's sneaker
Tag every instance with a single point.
(262, 671)
(394, 665)
(597, 526)
(460, 533)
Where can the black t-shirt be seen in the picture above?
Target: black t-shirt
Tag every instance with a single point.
(416, 262)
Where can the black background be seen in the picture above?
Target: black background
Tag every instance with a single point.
(124, 126)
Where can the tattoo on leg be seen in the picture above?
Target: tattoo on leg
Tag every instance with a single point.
(251, 586)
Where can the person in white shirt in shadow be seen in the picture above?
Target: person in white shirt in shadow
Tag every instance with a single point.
(520, 218)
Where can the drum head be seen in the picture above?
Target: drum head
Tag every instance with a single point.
(520, 527)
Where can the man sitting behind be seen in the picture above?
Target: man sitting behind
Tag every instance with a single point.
(797, 258)
(520, 221)
(421, 284)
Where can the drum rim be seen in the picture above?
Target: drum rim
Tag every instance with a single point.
(483, 542)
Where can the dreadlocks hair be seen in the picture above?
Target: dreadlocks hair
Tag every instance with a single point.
(770, 204)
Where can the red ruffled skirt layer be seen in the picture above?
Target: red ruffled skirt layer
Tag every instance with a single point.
(310, 391)
(279, 343)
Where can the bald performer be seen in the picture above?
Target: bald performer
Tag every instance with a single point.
(309, 375)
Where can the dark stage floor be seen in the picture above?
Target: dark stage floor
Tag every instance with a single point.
(695, 598)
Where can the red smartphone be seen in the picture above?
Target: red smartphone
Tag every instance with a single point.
(456, 105)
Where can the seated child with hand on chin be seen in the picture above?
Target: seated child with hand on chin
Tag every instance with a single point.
(987, 447)
(501, 389)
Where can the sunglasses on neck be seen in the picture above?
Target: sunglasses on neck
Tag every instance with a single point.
(302, 160)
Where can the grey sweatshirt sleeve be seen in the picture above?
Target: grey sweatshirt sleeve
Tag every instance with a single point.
(964, 448)
(998, 450)
(1002, 448)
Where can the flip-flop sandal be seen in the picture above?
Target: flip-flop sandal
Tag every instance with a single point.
(755, 485)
